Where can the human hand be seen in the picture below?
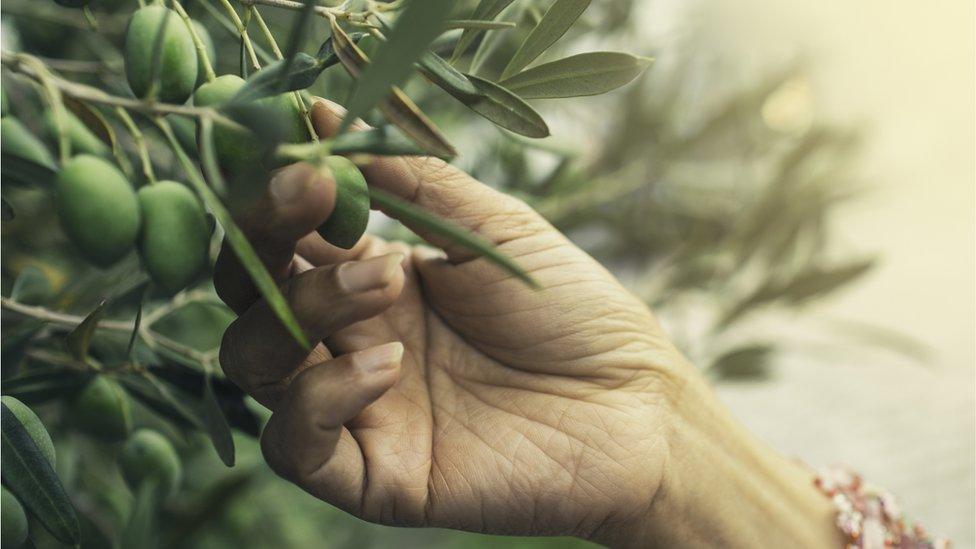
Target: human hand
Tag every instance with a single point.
(446, 393)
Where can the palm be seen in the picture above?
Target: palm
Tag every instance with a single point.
(479, 434)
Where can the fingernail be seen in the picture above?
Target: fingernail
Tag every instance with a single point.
(370, 274)
(378, 359)
(288, 185)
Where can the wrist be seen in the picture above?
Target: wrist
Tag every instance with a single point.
(723, 487)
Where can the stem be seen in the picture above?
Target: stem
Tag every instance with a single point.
(299, 6)
(242, 30)
(147, 169)
(27, 65)
(202, 56)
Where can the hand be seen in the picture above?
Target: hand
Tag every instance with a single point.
(446, 393)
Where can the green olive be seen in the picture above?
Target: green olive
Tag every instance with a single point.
(175, 235)
(19, 141)
(32, 424)
(149, 456)
(82, 139)
(98, 209)
(13, 521)
(240, 151)
(347, 222)
(178, 58)
(101, 409)
(208, 47)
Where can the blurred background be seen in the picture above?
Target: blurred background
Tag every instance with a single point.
(790, 186)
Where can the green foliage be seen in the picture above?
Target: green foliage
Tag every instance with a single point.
(33, 426)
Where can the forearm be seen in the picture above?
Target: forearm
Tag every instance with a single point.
(722, 487)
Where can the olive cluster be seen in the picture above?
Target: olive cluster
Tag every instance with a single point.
(147, 459)
(103, 214)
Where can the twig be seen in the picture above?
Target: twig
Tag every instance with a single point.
(140, 141)
(242, 30)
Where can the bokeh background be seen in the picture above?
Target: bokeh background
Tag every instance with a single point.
(790, 187)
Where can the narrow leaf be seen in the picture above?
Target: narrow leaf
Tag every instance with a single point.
(31, 478)
(79, 339)
(585, 74)
(478, 24)
(22, 172)
(397, 107)
(8, 213)
(141, 389)
(384, 141)
(445, 76)
(505, 109)
(417, 26)
(486, 10)
(92, 119)
(747, 362)
(558, 19)
(273, 80)
(216, 424)
(414, 216)
(137, 324)
(239, 243)
(327, 53)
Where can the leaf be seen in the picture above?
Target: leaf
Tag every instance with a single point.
(383, 141)
(417, 26)
(216, 424)
(558, 19)
(8, 210)
(486, 10)
(229, 396)
(92, 119)
(139, 530)
(273, 80)
(32, 479)
(327, 53)
(79, 339)
(31, 286)
(14, 342)
(746, 362)
(238, 242)
(148, 390)
(397, 107)
(584, 74)
(494, 40)
(137, 323)
(505, 109)
(445, 76)
(478, 24)
(42, 386)
(19, 171)
(412, 215)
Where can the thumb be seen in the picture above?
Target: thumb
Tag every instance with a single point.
(445, 191)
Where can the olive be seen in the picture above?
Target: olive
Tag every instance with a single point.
(82, 139)
(98, 209)
(208, 46)
(178, 58)
(32, 424)
(347, 223)
(239, 150)
(19, 141)
(13, 521)
(175, 235)
(149, 457)
(101, 409)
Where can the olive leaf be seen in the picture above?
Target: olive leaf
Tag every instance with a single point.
(281, 76)
(238, 242)
(42, 386)
(397, 107)
(485, 10)
(137, 323)
(156, 397)
(505, 109)
(30, 285)
(417, 26)
(414, 216)
(478, 24)
(17, 170)
(584, 74)
(750, 361)
(33, 480)
(7, 213)
(557, 20)
(79, 339)
(383, 141)
(445, 76)
(216, 424)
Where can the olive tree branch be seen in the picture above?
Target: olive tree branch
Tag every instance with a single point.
(242, 31)
(208, 70)
(67, 322)
(21, 63)
(140, 141)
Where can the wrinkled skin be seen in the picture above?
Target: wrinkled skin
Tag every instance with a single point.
(511, 411)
